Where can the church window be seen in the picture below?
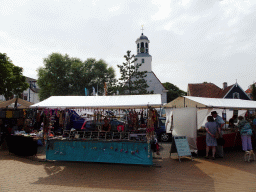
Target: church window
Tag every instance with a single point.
(138, 45)
(146, 50)
(146, 45)
(142, 44)
(143, 61)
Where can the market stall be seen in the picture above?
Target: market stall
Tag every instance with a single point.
(16, 121)
(95, 145)
(187, 115)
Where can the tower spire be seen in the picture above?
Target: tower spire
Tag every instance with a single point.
(142, 29)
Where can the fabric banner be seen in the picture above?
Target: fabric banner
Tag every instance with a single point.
(184, 124)
(100, 151)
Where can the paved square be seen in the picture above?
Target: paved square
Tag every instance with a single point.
(29, 174)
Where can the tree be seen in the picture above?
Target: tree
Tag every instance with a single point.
(63, 75)
(253, 92)
(99, 73)
(53, 78)
(173, 91)
(132, 81)
(11, 79)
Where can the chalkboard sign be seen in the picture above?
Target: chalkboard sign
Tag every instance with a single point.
(182, 146)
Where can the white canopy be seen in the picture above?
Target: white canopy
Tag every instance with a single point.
(190, 101)
(107, 102)
(187, 114)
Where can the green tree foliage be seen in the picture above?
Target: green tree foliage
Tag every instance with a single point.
(63, 75)
(131, 81)
(12, 82)
(173, 91)
(254, 92)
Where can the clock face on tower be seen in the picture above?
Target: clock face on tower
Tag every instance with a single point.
(142, 49)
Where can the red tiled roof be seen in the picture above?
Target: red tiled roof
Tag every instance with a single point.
(209, 90)
(249, 90)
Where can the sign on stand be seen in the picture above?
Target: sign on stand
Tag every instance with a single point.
(182, 146)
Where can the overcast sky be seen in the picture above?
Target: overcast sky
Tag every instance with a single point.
(191, 41)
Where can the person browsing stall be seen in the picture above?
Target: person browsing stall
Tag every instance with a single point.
(220, 122)
(218, 119)
(106, 127)
(231, 122)
(254, 123)
(245, 130)
(211, 131)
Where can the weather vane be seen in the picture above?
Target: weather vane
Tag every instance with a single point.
(142, 28)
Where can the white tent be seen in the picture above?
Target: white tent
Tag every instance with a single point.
(107, 102)
(185, 115)
(190, 101)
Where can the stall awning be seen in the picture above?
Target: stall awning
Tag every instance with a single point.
(21, 103)
(108, 102)
(190, 101)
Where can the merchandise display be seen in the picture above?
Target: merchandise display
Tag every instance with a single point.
(107, 129)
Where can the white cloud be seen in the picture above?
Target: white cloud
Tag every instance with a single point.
(113, 9)
(190, 41)
(164, 9)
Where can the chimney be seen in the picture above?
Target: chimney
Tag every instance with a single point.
(225, 85)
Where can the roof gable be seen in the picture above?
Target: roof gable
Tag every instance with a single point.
(210, 90)
(238, 89)
(158, 79)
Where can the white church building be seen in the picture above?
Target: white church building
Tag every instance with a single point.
(144, 58)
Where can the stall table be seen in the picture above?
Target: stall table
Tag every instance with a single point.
(22, 145)
(232, 139)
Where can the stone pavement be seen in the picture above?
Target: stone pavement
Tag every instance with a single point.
(30, 174)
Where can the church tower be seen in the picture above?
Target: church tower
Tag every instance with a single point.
(143, 56)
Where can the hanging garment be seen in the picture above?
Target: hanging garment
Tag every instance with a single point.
(20, 122)
(38, 117)
(9, 114)
(142, 118)
(2, 114)
(61, 119)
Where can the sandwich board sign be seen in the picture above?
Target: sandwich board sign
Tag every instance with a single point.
(182, 146)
